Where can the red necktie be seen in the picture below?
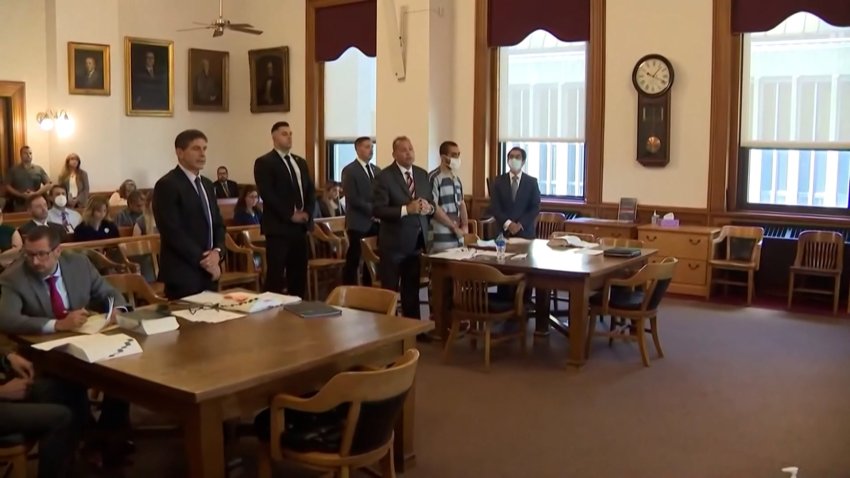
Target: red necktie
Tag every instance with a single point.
(55, 299)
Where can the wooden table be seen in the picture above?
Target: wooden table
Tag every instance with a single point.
(546, 269)
(602, 227)
(203, 374)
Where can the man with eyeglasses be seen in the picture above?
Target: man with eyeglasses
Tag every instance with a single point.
(39, 216)
(50, 291)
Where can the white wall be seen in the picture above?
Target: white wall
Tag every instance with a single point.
(681, 31)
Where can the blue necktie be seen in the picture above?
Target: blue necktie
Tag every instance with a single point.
(206, 206)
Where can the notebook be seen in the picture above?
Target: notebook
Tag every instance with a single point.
(148, 321)
(311, 309)
(95, 347)
(622, 252)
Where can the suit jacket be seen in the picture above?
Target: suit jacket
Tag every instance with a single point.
(232, 189)
(275, 186)
(25, 300)
(82, 180)
(358, 196)
(400, 235)
(523, 209)
(182, 227)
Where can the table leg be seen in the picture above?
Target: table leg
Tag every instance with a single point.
(578, 323)
(403, 441)
(439, 301)
(205, 441)
(541, 321)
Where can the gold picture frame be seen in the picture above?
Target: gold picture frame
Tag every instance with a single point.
(88, 69)
(148, 86)
(208, 80)
(269, 79)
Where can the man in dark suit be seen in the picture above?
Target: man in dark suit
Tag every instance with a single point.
(403, 201)
(91, 78)
(515, 198)
(191, 230)
(289, 198)
(357, 180)
(224, 187)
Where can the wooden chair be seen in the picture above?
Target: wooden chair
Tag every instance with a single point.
(105, 265)
(134, 287)
(142, 248)
(470, 239)
(327, 259)
(549, 222)
(472, 302)
(125, 231)
(13, 455)
(252, 238)
(635, 299)
(473, 227)
(742, 254)
(347, 425)
(819, 254)
(620, 242)
(369, 253)
(245, 273)
(371, 299)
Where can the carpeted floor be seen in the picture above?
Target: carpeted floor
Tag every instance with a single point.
(741, 393)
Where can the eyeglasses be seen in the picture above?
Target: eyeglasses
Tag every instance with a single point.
(37, 255)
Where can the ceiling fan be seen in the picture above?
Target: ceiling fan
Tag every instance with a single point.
(221, 24)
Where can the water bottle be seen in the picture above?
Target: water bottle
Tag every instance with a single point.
(656, 219)
(500, 247)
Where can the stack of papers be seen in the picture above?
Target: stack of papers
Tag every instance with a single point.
(570, 241)
(96, 324)
(209, 316)
(147, 321)
(456, 254)
(242, 301)
(95, 347)
(483, 243)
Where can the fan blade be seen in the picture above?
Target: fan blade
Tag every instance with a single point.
(240, 25)
(194, 28)
(252, 31)
(218, 32)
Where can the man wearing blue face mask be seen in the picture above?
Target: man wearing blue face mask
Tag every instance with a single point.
(451, 220)
(515, 198)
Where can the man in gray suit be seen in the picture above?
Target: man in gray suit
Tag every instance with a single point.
(515, 198)
(404, 203)
(357, 180)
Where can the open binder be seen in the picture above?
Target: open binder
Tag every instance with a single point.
(95, 347)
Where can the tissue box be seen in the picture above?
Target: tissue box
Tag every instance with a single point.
(668, 222)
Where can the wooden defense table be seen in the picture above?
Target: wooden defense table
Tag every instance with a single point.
(546, 269)
(203, 374)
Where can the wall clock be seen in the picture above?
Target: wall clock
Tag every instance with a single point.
(652, 77)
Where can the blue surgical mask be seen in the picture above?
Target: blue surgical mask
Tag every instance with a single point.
(515, 165)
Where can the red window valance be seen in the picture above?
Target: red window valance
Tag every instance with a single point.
(750, 16)
(510, 21)
(341, 27)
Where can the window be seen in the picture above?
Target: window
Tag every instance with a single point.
(542, 110)
(795, 116)
(350, 102)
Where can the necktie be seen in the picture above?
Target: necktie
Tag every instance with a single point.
(514, 186)
(226, 191)
(65, 219)
(206, 207)
(299, 198)
(369, 172)
(411, 188)
(55, 299)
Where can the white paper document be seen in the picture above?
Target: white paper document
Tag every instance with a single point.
(571, 241)
(139, 323)
(243, 301)
(517, 240)
(95, 347)
(589, 252)
(456, 254)
(209, 316)
(98, 323)
(483, 243)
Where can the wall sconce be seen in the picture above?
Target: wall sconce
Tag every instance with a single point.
(63, 123)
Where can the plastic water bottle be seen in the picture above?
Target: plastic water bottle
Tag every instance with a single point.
(500, 247)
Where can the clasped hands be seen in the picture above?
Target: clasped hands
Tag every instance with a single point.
(420, 206)
(300, 217)
(18, 388)
(211, 262)
(514, 228)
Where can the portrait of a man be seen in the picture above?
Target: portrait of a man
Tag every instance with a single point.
(269, 79)
(208, 75)
(88, 69)
(149, 70)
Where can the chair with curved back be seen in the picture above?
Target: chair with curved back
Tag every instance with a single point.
(369, 253)
(252, 239)
(327, 258)
(242, 272)
(549, 222)
(348, 424)
(370, 299)
(742, 254)
(134, 287)
(144, 254)
(819, 254)
(635, 299)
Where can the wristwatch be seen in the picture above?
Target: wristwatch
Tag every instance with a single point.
(220, 254)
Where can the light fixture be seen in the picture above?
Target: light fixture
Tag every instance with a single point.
(64, 125)
(48, 119)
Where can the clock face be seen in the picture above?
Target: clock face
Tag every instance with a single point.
(653, 76)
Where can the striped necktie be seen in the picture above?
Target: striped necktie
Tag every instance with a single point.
(411, 188)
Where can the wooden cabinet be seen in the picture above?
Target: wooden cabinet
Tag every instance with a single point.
(602, 227)
(691, 245)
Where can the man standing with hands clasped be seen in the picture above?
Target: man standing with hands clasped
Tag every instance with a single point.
(404, 203)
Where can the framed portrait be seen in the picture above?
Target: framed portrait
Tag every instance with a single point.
(149, 77)
(269, 79)
(88, 69)
(208, 75)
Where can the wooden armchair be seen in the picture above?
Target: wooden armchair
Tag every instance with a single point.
(369, 253)
(635, 299)
(252, 239)
(472, 301)
(549, 222)
(380, 301)
(134, 287)
(620, 242)
(327, 258)
(819, 254)
(742, 254)
(470, 239)
(346, 425)
(144, 254)
(106, 266)
(245, 273)
(13, 454)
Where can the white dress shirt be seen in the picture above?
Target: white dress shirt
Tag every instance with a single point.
(294, 164)
(518, 176)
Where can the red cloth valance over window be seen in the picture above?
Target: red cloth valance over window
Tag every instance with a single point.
(750, 16)
(510, 21)
(341, 27)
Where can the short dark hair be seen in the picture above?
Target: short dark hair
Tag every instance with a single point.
(445, 145)
(399, 139)
(32, 199)
(361, 139)
(279, 124)
(57, 186)
(21, 151)
(220, 168)
(184, 138)
(517, 148)
(136, 195)
(40, 232)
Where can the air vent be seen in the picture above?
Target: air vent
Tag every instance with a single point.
(792, 231)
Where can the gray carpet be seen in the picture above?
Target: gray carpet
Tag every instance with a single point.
(741, 393)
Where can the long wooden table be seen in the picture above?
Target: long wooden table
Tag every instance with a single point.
(203, 374)
(546, 269)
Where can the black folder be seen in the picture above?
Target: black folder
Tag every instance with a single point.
(312, 309)
(622, 252)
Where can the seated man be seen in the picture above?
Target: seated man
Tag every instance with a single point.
(134, 210)
(60, 213)
(23, 412)
(37, 208)
(50, 291)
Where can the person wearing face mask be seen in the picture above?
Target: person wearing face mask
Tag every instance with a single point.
(515, 198)
(60, 213)
(451, 220)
